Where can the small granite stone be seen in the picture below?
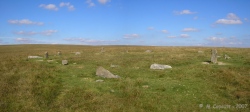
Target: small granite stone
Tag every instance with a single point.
(105, 73)
(64, 62)
(159, 66)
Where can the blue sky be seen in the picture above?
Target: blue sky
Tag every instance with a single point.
(126, 22)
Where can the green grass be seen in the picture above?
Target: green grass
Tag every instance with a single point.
(31, 85)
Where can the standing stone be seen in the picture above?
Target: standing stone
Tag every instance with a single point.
(64, 62)
(214, 56)
(102, 50)
(46, 55)
(59, 53)
(102, 72)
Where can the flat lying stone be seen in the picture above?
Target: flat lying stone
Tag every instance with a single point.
(30, 57)
(200, 52)
(99, 80)
(77, 53)
(227, 57)
(221, 63)
(114, 66)
(205, 63)
(159, 66)
(102, 72)
(50, 60)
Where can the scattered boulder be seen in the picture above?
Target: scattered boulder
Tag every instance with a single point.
(77, 53)
(102, 72)
(102, 50)
(145, 86)
(31, 57)
(227, 57)
(214, 56)
(99, 80)
(148, 51)
(205, 63)
(59, 53)
(221, 63)
(50, 61)
(64, 62)
(200, 52)
(114, 66)
(112, 91)
(159, 66)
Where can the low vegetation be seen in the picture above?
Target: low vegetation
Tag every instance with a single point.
(35, 85)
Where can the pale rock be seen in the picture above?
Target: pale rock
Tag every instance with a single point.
(227, 57)
(148, 51)
(64, 62)
(145, 86)
(159, 66)
(102, 72)
(50, 60)
(46, 55)
(214, 56)
(99, 80)
(77, 53)
(205, 63)
(200, 52)
(114, 66)
(30, 57)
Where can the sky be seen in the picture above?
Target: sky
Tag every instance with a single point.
(219, 23)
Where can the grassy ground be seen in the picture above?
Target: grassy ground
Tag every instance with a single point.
(31, 85)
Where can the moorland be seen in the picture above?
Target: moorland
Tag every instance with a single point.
(47, 85)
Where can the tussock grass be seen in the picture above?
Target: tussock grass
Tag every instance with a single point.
(31, 85)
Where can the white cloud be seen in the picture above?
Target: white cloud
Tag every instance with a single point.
(30, 33)
(24, 22)
(104, 1)
(164, 31)
(184, 35)
(68, 5)
(231, 19)
(230, 41)
(232, 16)
(48, 32)
(62, 4)
(184, 12)
(49, 7)
(171, 36)
(26, 33)
(23, 40)
(246, 19)
(216, 39)
(196, 17)
(90, 3)
(190, 30)
(130, 36)
(90, 41)
(227, 21)
(151, 28)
